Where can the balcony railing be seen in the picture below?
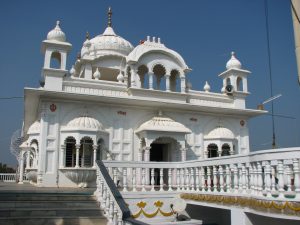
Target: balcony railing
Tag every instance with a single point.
(270, 174)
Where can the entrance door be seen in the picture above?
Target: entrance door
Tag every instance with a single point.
(157, 152)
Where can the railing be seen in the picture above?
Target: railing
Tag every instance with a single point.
(271, 174)
(10, 177)
(110, 199)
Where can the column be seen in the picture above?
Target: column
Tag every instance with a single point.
(182, 84)
(21, 165)
(183, 154)
(151, 80)
(94, 155)
(167, 82)
(77, 156)
(62, 158)
(147, 159)
(133, 75)
(28, 159)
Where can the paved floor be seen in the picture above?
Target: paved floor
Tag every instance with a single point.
(26, 187)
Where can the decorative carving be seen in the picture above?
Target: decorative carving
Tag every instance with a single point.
(80, 176)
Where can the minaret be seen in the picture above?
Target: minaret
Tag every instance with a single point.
(235, 81)
(55, 47)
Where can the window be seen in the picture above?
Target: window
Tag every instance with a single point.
(212, 150)
(70, 153)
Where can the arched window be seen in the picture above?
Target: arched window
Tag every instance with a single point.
(212, 150)
(159, 72)
(55, 60)
(101, 153)
(175, 81)
(70, 154)
(86, 152)
(144, 77)
(225, 150)
(239, 84)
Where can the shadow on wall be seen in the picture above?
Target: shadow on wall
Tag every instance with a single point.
(209, 215)
(264, 220)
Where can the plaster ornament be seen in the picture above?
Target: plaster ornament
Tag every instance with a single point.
(206, 87)
(97, 74)
(56, 34)
(120, 77)
(233, 62)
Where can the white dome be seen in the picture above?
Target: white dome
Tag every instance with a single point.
(233, 62)
(35, 128)
(159, 123)
(105, 44)
(220, 133)
(56, 34)
(84, 123)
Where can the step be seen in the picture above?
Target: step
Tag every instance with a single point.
(48, 204)
(45, 197)
(100, 220)
(50, 212)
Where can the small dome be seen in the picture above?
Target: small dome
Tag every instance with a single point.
(220, 133)
(162, 123)
(56, 34)
(35, 128)
(105, 44)
(233, 62)
(84, 123)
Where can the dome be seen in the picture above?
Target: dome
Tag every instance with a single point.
(35, 128)
(56, 34)
(233, 62)
(84, 123)
(106, 44)
(162, 123)
(220, 133)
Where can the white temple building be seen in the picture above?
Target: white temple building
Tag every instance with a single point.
(132, 106)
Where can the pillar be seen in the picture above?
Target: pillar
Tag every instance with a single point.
(182, 84)
(151, 80)
(147, 159)
(21, 165)
(94, 155)
(183, 154)
(133, 76)
(77, 156)
(62, 154)
(167, 82)
(28, 159)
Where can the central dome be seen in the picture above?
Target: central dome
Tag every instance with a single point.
(107, 43)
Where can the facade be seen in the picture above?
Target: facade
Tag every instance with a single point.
(122, 102)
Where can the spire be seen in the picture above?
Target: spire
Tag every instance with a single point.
(109, 13)
(87, 36)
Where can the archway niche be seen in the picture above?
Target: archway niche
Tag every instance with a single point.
(144, 76)
(164, 149)
(158, 80)
(175, 81)
(225, 150)
(70, 152)
(86, 152)
(101, 153)
(55, 60)
(212, 150)
(239, 84)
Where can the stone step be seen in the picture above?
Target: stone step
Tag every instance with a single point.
(45, 197)
(48, 204)
(100, 220)
(50, 212)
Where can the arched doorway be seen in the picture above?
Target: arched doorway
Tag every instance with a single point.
(212, 150)
(225, 150)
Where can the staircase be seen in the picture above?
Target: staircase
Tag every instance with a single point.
(41, 208)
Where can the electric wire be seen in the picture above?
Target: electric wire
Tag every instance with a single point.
(13, 97)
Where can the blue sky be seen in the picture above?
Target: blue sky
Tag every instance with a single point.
(203, 32)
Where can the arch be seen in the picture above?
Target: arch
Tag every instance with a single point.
(175, 80)
(168, 147)
(55, 60)
(86, 152)
(159, 71)
(70, 151)
(239, 84)
(225, 150)
(212, 150)
(144, 77)
(101, 150)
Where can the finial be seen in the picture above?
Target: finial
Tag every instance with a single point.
(87, 35)
(232, 53)
(160, 113)
(57, 23)
(78, 55)
(109, 13)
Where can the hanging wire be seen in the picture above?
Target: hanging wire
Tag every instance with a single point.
(270, 73)
(13, 97)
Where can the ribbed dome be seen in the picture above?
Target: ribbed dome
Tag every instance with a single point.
(105, 44)
(220, 133)
(233, 62)
(56, 34)
(35, 128)
(84, 123)
(160, 123)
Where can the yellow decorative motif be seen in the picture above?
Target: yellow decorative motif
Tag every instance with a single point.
(158, 204)
(243, 201)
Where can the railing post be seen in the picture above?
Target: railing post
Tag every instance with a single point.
(192, 180)
(133, 179)
(215, 179)
(221, 180)
(161, 180)
(120, 220)
(255, 184)
(240, 175)
(187, 179)
(244, 191)
(296, 176)
(251, 186)
(288, 178)
(143, 179)
(268, 179)
(115, 175)
(111, 210)
(235, 178)
(77, 156)
(273, 180)
(125, 180)
(182, 179)
(178, 178)
(259, 179)
(197, 178)
(170, 179)
(280, 178)
(208, 179)
(202, 172)
(228, 178)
